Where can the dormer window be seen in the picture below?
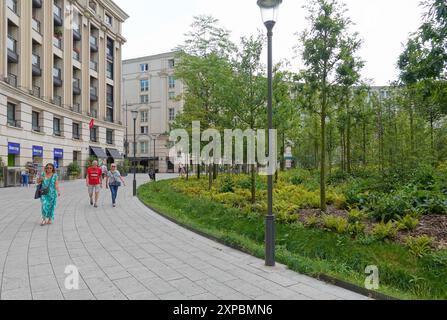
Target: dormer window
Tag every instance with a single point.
(92, 5)
(108, 19)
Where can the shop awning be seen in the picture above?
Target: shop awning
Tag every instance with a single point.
(99, 152)
(113, 153)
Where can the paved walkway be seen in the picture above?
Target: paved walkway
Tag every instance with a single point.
(129, 253)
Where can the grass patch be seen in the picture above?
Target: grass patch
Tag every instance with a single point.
(308, 251)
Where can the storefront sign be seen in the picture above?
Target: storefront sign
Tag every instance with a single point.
(13, 148)
(37, 151)
(58, 154)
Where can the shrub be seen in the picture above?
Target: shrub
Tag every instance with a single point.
(386, 207)
(356, 228)
(337, 199)
(337, 224)
(312, 221)
(227, 185)
(356, 215)
(73, 169)
(384, 231)
(420, 246)
(407, 223)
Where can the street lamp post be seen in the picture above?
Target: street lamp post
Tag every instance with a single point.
(134, 116)
(269, 11)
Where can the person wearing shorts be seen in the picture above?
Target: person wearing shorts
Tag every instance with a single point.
(94, 183)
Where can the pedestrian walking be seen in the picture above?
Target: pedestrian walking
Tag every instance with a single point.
(49, 193)
(94, 183)
(113, 182)
(25, 177)
(104, 169)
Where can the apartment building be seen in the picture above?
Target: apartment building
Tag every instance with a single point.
(150, 88)
(60, 88)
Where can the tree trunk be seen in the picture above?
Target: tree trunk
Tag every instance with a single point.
(210, 177)
(364, 143)
(253, 184)
(198, 171)
(323, 154)
(215, 173)
(348, 142)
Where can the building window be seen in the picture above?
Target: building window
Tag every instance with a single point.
(171, 114)
(171, 82)
(171, 95)
(76, 131)
(144, 85)
(57, 127)
(145, 130)
(108, 19)
(109, 71)
(144, 67)
(109, 136)
(92, 5)
(144, 98)
(35, 121)
(12, 115)
(144, 147)
(144, 116)
(94, 134)
(171, 63)
(109, 49)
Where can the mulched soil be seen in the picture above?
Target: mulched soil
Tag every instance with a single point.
(434, 226)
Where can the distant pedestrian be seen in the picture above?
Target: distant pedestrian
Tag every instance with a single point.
(50, 188)
(94, 183)
(113, 182)
(104, 169)
(25, 178)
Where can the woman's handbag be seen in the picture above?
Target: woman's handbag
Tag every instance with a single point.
(37, 194)
(41, 191)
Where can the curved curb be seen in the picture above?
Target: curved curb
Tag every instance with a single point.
(322, 277)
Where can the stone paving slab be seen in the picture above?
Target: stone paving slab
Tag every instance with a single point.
(130, 252)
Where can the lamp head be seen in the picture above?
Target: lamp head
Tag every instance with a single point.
(134, 114)
(269, 10)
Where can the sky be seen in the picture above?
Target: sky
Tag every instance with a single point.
(384, 26)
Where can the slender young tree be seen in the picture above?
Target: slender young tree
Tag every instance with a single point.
(322, 46)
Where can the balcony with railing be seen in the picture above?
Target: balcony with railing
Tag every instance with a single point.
(93, 44)
(13, 56)
(12, 5)
(109, 115)
(37, 71)
(57, 13)
(76, 108)
(57, 42)
(12, 79)
(93, 113)
(36, 25)
(93, 94)
(94, 66)
(76, 86)
(57, 77)
(76, 32)
(36, 91)
(77, 55)
(57, 100)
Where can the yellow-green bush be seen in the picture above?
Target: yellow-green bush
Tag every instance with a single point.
(334, 223)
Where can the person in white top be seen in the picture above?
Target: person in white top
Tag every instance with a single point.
(104, 170)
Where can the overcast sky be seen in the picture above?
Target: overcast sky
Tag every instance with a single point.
(384, 25)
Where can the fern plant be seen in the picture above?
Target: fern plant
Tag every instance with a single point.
(420, 246)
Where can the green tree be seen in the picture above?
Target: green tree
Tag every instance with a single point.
(322, 46)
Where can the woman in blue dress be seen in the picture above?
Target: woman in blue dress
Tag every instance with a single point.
(49, 180)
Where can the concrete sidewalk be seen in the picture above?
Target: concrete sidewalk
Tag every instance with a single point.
(129, 252)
